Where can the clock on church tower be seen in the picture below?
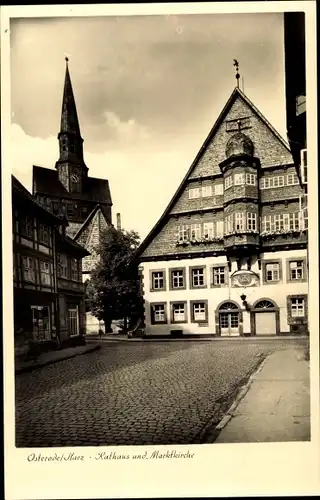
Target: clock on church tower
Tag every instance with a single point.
(75, 180)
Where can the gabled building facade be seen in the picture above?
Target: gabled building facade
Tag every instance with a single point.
(229, 255)
(47, 276)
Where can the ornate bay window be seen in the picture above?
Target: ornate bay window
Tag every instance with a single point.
(241, 222)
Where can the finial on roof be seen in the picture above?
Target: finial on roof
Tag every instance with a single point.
(236, 64)
(67, 59)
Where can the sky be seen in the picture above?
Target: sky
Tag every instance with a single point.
(148, 90)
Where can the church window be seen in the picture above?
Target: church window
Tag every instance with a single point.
(194, 193)
(206, 191)
(218, 189)
(239, 179)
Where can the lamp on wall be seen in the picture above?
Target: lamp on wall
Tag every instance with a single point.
(244, 302)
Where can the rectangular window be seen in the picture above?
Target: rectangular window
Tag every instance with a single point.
(74, 270)
(177, 278)
(251, 222)
(199, 311)
(218, 189)
(296, 269)
(62, 266)
(251, 179)
(194, 193)
(292, 179)
(228, 182)
(27, 226)
(301, 104)
(178, 313)
(45, 273)
(157, 280)
(276, 220)
(238, 179)
(219, 228)
(229, 224)
(158, 313)
(206, 191)
(208, 230)
(44, 234)
(294, 221)
(195, 231)
(182, 233)
(303, 166)
(297, 307)
(239, 221)
(272, 182)
(266, 223)
(197, 277)
(73, 321)
(218, 275)
(272, 271)
(29, 269)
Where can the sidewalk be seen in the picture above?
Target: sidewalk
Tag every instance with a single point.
(48, 358)
(275, 405)
(122, 337)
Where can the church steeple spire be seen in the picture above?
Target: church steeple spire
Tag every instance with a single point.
(71, 168)
(69, 116)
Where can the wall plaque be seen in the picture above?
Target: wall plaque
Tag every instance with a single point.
(243, 279)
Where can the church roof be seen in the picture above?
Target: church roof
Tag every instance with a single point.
(236, 94)
(46, 181)
(19, 190)
(69, 116)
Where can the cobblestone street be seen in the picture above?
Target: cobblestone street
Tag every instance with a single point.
(135, 393)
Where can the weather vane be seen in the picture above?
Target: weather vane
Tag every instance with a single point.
(236, 64)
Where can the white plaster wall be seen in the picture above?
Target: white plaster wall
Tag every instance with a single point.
(276, 292)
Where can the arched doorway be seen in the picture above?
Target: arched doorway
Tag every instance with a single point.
(229, 319)
(265, 318)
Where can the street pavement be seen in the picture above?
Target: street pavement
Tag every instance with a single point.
(136, 393)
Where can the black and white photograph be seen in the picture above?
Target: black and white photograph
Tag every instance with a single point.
(159, 176)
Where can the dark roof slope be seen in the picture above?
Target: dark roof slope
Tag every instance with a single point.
(163, 219)
(46, 181)
(19, 190)
(76, 247)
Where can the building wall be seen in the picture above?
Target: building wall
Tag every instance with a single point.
(277, 293)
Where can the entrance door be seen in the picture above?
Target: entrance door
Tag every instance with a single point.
(229, 324)
(73, 322)
(265, 323)
(41, 323)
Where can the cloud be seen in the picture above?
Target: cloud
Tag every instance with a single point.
(141, 182)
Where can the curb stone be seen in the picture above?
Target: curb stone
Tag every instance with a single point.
(36, 366)
(229, 413)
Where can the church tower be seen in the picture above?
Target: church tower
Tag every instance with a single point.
(71, 168)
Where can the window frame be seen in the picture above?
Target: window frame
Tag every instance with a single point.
(43, 273)
(152, 315)
(264, 271)
(225, 273)
(192, 318)
(171, 271)
(191, 277)
(178, 303)
(304, 278)
(151, 273)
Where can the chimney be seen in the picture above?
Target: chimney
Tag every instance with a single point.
(118, 222)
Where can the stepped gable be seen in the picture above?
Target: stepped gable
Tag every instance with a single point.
(260, 138)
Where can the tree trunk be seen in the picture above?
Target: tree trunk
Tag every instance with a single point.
(107, 324)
